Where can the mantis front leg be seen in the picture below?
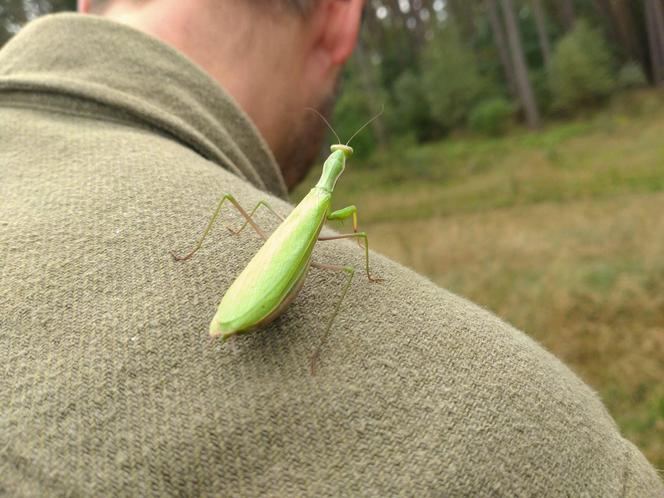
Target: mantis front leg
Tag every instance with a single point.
(248, 220)
(343, 214)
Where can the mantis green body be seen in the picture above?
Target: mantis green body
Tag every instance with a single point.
(275, 274)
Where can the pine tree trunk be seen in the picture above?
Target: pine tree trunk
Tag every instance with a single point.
(540, 21)
(627, 31)
(658, 12)
(569, 16)
(501, 44)
(526, 95)
(619, 16)
(655, 26)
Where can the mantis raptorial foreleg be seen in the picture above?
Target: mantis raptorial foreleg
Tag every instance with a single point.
(351, 272)
(344, 213)
(248, 220)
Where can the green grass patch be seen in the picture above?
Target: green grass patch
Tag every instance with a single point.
(605, 155)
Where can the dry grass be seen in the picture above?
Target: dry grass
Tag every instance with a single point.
(586, 279)
(559, 232)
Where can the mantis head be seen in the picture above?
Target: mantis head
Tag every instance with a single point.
(347, 150)
(335, 164)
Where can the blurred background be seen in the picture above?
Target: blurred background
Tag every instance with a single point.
(519, 162)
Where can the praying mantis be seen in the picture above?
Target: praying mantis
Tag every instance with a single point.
(275, 275)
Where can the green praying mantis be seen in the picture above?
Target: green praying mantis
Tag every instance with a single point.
(276, 273)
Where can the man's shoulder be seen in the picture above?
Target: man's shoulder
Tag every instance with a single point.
(417, 390)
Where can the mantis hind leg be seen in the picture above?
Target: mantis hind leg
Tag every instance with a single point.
(248, 220)
(251, 217)
(313, 362)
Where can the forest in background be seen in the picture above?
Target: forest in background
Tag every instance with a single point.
(483, 65)
(15, 13)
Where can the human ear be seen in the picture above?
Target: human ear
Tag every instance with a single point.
(337, 23)
(83, 6)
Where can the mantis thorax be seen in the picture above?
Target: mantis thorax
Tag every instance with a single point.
(333, 167)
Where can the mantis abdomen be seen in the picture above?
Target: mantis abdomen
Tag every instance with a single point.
(274, 274)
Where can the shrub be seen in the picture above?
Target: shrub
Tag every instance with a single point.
(491, 117)
(450, 78)
(631, 75)
(412, 115)
(581, 69)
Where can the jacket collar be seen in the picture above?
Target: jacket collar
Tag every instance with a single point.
(107, 63)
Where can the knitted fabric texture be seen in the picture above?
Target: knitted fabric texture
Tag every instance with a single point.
(114, 150)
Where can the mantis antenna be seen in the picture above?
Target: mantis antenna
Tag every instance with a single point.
(366, 124)
(326, 122)
(354, 134)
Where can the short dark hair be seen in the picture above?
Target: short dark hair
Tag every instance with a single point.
(97, 6)
(300, 7)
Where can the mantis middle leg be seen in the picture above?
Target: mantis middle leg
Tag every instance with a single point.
(251, 217)
(359, 235)
(349, 270)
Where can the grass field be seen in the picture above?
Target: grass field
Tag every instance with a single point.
(560, 232)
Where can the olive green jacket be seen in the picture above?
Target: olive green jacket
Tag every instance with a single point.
(114, 150)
